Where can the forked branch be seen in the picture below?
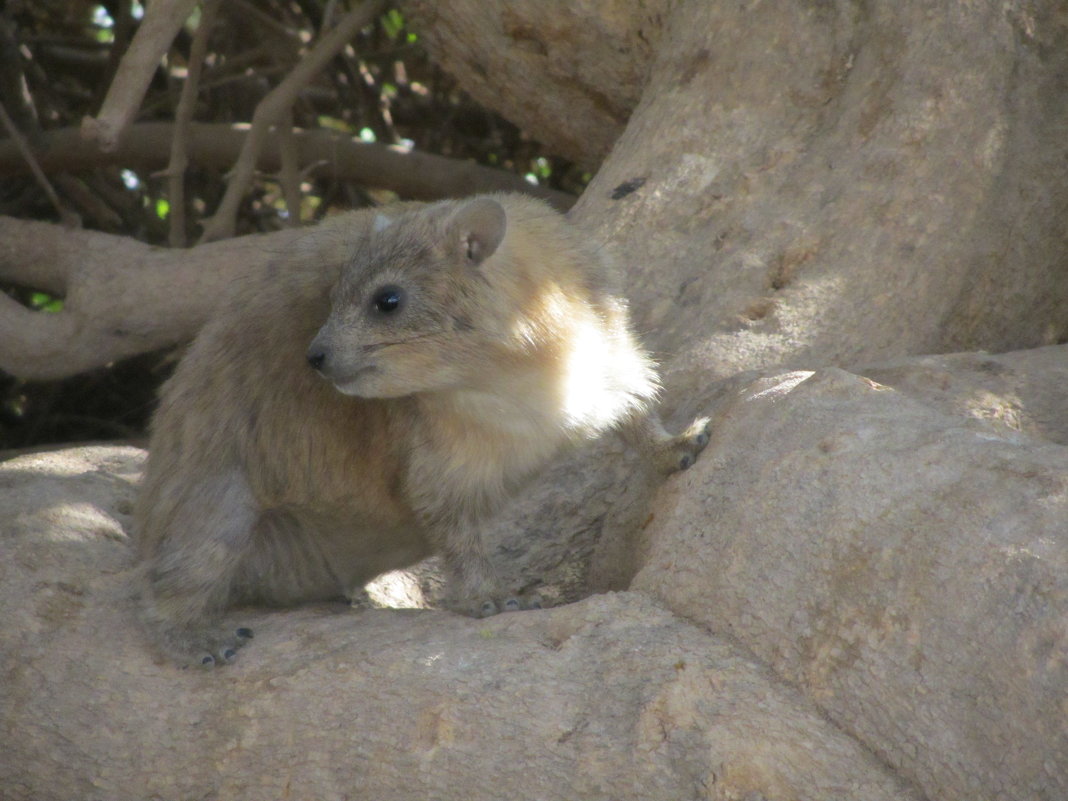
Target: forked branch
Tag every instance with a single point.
(163, 19)
(273, 110)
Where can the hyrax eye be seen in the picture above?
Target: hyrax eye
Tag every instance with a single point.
(388, 299)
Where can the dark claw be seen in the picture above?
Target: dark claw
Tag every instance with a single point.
(244, 633)
(489, 608)
(511, 605)
(702, 440)
(535, 604)
(685, 462)
(208, 661)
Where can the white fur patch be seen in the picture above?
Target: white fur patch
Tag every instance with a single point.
(382, 222)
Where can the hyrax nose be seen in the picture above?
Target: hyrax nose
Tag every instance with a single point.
(317, 358)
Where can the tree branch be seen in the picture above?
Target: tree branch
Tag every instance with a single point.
(122, 297)
(273, 109)
(163, 19)
(68, 217)
(412, 175)
(183, 118)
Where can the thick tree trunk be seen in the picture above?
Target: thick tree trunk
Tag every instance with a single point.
(800, 185)
(610, 698)
(903, 566)
(821, 182)
(833, 184)
(907, 570)
(570, 73)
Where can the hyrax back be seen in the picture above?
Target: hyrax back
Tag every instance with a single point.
(371, 398)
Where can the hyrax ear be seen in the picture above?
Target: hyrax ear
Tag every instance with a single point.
(478, 227)
(382, 222)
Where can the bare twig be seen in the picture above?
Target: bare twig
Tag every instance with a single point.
(89, 203)
(278, 33)
(273, 107)
(14, 91)
(413, 175)
(69, 218)
(183, 117)
(163, 19)
(289, 175)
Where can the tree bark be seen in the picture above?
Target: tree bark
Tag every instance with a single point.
(122, 297)
(569, 73)
(412, 175)
(839, 184)
(610, 698)
(797, 185)
(822, 183)
(906, 569)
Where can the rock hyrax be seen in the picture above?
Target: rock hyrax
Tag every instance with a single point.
(371, 398)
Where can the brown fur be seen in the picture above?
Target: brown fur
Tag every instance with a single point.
(268, 484)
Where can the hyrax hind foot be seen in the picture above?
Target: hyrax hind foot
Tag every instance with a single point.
(668, 453)
(487, 606)
(681, 451)
(214, 648)
(203, 647)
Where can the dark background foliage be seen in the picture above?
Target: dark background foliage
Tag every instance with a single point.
(57, 58)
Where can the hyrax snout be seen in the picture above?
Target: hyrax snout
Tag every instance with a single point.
(391, 381)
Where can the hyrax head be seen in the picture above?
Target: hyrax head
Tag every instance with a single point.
(413, 310)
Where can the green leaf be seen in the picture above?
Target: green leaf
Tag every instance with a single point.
(542, 168)
(392, 23)
(42, 301)
(334, 124)
(104, 25)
